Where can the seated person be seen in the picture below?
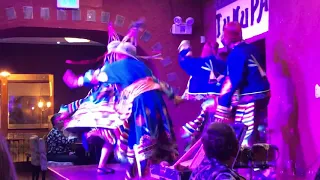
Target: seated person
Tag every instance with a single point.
(58, 145)
(221, 146)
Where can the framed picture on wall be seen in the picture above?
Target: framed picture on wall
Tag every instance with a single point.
(30, 101)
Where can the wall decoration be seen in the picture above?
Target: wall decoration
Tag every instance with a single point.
(27, 12)
(146, 36)
(91, 15)
(76, 15)
(157, 47)
(119, 20)
(11, 13)
(172, 77)
(61, 15)
(166, 61)
(45, 13)
(105, 17)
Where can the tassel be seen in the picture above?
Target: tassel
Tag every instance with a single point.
(156, 56)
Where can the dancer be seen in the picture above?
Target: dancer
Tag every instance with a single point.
(205, 80)
(149, 122)
(245, 74)
(101, 101)
(206, 76)
(141, 108)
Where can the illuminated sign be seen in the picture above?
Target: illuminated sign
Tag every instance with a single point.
(252, 14)
(68, 4)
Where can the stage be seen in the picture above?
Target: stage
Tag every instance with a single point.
(86, 172)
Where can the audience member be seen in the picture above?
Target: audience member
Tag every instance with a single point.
(221, 146)
(58, 145)
(7, 168)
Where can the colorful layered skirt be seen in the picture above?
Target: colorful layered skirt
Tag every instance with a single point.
(138, 124)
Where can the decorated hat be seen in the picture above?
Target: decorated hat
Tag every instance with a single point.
(232, 32)
(126, 48)
(112, 45)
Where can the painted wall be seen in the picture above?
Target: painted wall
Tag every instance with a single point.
(159, 19)
(293, 70)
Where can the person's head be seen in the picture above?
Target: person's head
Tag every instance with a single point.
(7, 168)
(125, 50)
(57, 121)
(232, 33)
(209, 49)
(220, 142)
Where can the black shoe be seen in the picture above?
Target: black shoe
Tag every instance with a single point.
(105, 171)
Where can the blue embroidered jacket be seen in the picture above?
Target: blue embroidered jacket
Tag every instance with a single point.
(106, 91)
(214, 170)
(245, 74)
(199, 70)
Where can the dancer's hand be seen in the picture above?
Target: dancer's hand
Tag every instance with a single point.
(185, 44)
(178, 100)
(70, 79)
(207, 50)
(69, 61)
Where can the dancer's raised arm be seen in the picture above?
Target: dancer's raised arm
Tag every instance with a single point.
(198, 66)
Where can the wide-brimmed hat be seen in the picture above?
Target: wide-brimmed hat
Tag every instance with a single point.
(112, 45)
(127, 49)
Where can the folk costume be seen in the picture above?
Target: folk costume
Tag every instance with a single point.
(244, 73)
(140, 125)
(206, 79)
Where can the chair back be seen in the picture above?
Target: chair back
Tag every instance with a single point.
(240, 130)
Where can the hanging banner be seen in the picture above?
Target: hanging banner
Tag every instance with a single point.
(252, 14)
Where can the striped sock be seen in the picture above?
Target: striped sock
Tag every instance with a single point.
(245, 114)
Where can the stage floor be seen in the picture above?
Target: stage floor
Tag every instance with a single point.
(87, 172)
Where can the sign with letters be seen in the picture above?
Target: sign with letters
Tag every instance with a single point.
(253, 15)
(68, 4)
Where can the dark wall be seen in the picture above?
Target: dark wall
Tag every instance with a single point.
(43, 59)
